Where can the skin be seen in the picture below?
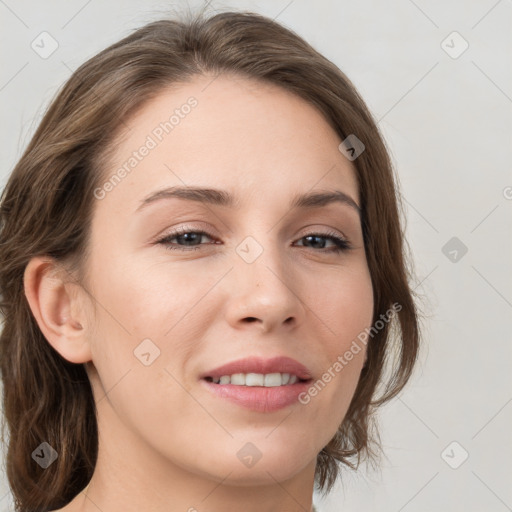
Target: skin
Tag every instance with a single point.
(167, 443)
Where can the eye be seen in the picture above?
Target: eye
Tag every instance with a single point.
(190, 238)
(340, 244)
(186, 239)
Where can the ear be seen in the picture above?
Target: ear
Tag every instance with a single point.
(57, 304)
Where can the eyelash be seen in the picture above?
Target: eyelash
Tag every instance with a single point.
(341, 244)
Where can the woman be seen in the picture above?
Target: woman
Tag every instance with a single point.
(202, 276)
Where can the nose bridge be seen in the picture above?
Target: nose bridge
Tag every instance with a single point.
(264, 288)
(260, 259)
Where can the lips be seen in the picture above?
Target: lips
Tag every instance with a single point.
(253, 396)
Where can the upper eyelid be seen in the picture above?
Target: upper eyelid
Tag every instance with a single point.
(190, 229)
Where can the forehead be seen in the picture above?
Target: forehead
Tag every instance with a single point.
(252, 138)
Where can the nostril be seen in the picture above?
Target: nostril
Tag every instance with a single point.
(251, 319)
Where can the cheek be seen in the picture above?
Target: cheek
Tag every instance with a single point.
(345, 308)
(148, 300)
(143, 333)
(149, 317)
(343, 303)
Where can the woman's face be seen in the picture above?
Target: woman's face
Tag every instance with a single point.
(250, 275)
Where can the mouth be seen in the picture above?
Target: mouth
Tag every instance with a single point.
(261, 385)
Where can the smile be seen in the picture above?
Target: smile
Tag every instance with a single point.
(261, 385)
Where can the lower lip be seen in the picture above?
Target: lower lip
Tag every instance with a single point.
(259, 398)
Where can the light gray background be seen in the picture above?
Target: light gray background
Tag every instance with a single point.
(448, 125)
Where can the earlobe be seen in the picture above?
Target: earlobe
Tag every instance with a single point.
(53, 299)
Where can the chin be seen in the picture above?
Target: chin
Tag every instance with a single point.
(259, 463)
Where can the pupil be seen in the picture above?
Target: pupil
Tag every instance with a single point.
(189, 237)
(317, 238)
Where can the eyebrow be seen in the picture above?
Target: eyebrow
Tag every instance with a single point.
(219, 197)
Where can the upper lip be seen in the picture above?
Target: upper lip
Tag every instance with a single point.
(261, 365)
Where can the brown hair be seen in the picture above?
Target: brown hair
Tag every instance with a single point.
(46, 209)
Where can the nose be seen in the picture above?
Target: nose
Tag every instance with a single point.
(264, 294)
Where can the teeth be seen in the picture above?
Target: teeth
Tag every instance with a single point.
(273, 379)
(238, 379)
(255, 379)
(268, 380)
